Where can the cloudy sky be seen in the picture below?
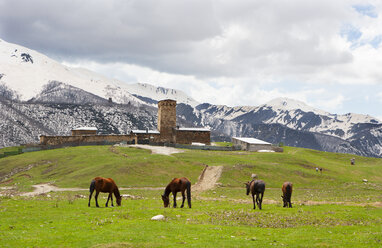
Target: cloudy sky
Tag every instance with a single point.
(326, 53)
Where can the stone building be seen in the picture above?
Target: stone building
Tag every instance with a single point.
(84, 131)
(252, 144)
(168, 132)
(167, 120)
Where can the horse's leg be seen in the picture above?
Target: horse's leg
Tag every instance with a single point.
(108, 197)
(184, 198)
(111, 198)
(254, 201)
(90, 197)
(260, 200)
(189, 195)
(290, 203)
(96, 198)
(174, 194)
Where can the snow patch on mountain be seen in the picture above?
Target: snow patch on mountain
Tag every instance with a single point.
(26, 72)
(160, 93)
(283, 103)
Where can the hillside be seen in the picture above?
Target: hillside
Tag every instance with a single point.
(75, 166)
(332, 209)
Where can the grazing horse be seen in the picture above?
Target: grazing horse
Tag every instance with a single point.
(177, 185)
(105, 185)
(256, 187)
(287, 194)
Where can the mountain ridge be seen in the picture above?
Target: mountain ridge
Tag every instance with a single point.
(49, 90)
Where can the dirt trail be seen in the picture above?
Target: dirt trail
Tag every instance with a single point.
(46, 188)
(208, 179)
(164, 150)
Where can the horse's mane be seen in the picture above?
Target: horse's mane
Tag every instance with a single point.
(167, 190)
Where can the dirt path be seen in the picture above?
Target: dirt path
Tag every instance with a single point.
(208, 179)
(46, 188)
(164, 150)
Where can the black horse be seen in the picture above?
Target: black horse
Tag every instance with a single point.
(256, 187)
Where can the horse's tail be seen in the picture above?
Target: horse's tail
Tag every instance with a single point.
(288, 194)
(92, 186)
(189, 194)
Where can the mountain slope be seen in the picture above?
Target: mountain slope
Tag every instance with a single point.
(294, 123)
(41, 96)
(26, 72)
(57, 92)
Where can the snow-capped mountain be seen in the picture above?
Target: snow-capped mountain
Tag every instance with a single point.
(27, 72)
(40, 96)
(159, 93)
(293, 123)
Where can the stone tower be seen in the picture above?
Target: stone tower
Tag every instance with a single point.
(167, 120)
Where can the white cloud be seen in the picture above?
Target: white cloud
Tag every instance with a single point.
(225, 52)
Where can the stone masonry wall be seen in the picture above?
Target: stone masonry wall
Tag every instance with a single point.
(84, 132)
(167, 120)
(187, 137)
(84, 139)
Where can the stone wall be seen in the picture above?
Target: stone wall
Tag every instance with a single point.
(167, 120)
(84, 132)
(187, 137)
(85, 139)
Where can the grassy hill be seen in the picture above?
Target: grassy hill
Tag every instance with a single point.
(332, 209)
(131, 167)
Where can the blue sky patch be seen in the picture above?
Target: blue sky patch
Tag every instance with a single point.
(376, 41)
(351, 33)
(367, 10)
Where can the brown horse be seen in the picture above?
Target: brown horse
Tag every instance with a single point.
(256, 187)
(177, 185)
(287, 194)
(105, 185)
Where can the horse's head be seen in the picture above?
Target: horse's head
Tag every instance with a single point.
(247, 185)
(166, 201)
(119, 199)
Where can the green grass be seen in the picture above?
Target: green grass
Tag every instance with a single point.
(344, 216)
(65, 221)
(130, 167)
(226, 144)
(10, 149)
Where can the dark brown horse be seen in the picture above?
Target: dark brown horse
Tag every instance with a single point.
(104, 185)
(177, 185)
(256, 187)
(287, 194)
